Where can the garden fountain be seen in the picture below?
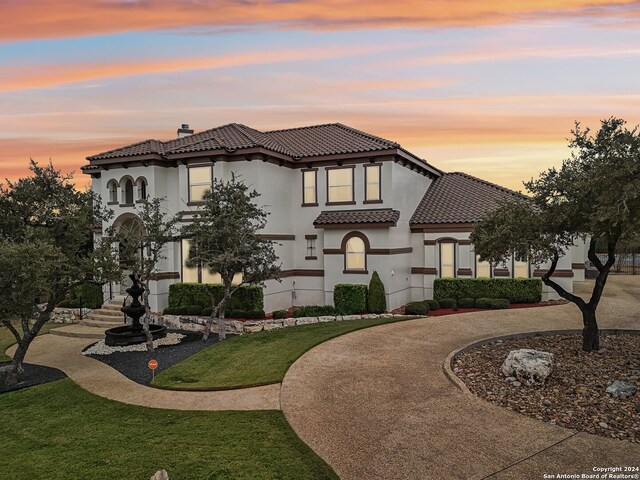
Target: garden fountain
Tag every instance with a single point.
(134, 332)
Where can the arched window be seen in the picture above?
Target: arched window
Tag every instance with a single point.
(128, 191)
(142, 188)
(447, 259)
(355, 255)
(112, 187)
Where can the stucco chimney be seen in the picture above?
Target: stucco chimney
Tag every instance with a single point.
(184, 131)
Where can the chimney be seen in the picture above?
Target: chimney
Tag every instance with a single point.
(184, 131)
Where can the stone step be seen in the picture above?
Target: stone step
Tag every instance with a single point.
(88, 322)
(78, 331)
(101, 312)
(112, 307)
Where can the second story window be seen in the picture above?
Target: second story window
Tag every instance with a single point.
(113, 191)
(309, 187)
(372, 192)
(200, 180)
(128, 192)
(142, 189)
(311, 249)
(340, 185)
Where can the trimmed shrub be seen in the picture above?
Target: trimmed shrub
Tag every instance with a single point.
(173, 311)
(207, 311)
(315, 311)
(416, 308)
(483, 302)
(448, 303)
(194, 310)
(433, 304)
(516, 290)
(466, 303)
(251, 314)
(246, 298)
(349, 298)
(499, 303)
(65, 304)
(279, 314)
(376, 300)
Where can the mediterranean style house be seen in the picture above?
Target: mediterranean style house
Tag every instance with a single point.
(343, 203)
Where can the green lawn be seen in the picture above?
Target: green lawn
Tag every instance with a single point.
(7, 339)
(256, 359)
(59, 431)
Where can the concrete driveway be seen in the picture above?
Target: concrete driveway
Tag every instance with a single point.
(376, 403)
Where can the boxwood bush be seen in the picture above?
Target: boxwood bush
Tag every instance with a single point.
(433, 304)
(246, 298)
(350, 298)
(466, 302)
(279, 314)
(499, 303)
(416, 308)
(315, 311)
(483, 302)
(376, 299)
(448, 303)
(516, 290)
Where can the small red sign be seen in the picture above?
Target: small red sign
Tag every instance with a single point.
(153, 364)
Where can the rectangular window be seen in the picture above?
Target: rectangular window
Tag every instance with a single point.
(340, 185)
(311, 248)
(520, 269)
(200, 180)
(447, 260)
(309, 187)
(189, 274)
(372, 183)
(483, 269)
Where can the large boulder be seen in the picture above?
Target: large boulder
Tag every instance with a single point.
(621, 389)
(528, 366)
(160, 475)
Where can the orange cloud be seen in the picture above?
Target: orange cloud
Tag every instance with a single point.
(44, 76)
(28, 19)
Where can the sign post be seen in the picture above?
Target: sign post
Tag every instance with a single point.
(153, 364)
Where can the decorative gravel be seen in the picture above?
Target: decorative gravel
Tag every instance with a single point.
(574, 396)
(133, 363)
(100, 348)
(33, 375)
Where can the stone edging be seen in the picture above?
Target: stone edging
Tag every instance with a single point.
(453, 378)
(194, 323)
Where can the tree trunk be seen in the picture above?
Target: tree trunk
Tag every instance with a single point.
(590, 332)
(222, 334)
(14, 370)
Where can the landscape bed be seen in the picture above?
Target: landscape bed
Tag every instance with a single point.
(574, 395)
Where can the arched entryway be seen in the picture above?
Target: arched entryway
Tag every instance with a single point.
(129, 227)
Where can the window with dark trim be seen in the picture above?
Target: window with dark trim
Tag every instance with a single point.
(483, 269)
(199, 273)
(142, 188)
(340, 185)
(373, 183)
(200, 181)
(447, 259)
(311, 249)
(112, 186)
(128, 192)
(355, 255)
(520, 268)
(310, 187)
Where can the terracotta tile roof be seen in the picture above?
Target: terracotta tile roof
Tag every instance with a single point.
(338, 217)
(301, 142)
(460, 198)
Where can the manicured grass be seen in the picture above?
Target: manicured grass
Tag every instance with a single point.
(7, 339)
(59, 431)
(256, 359)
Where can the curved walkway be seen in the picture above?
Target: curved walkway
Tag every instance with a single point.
(65, 354)
(376, 404)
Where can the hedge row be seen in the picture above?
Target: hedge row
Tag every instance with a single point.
(516, 290)
(247, 298)
(349, 298)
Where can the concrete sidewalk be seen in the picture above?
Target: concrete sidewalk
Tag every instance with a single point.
(65, 354)
(376, 404)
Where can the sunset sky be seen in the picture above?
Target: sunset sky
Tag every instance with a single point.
(490, 87)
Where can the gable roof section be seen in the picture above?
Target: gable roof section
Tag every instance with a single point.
(380, 217)
(317, 140)
(460, 198)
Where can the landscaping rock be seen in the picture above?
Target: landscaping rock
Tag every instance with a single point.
(272, 325)
(306, 320)
(326, 319)
(288, 322)
(621, 389)
(527, 365)
(510, 379)
(65, 315)
(232, 326)
(160, 475)
(251, 327)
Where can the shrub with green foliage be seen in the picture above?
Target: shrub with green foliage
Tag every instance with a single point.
(499, 303)
(376, 299)
(194, 310)
(516, 290)
(483, 302)
(252, 314)
(466, 302)
(350, 298)
(207, 311)
(279, 314)
(246, 298)
(65, 304)
(448, 303)
(433, 304)
(315, 311)
(416, 308)
(173, 311)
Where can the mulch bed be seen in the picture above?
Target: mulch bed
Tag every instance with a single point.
(133, 365)
(33, 375)
(574, 395)
(450, 311)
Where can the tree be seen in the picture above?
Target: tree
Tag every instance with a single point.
(225, 240)
(47, 246)
(376, 301)
(145, 248)
(594, 196)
